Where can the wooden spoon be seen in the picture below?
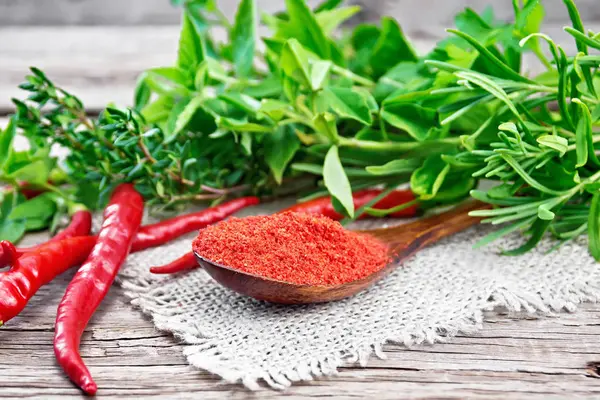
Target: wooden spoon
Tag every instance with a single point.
(403, 241)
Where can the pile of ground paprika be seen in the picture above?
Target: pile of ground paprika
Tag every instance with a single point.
(293, 247)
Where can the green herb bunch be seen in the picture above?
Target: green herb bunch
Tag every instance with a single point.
(351, 108)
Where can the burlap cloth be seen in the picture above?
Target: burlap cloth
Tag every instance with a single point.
(441, 291)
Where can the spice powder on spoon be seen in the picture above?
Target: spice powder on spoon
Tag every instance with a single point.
(293, 247)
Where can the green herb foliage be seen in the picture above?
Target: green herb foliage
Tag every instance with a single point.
(351, 109)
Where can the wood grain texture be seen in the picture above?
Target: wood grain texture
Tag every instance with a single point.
(509, 359)
(101, 63)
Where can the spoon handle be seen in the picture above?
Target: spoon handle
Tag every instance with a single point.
(405, 240)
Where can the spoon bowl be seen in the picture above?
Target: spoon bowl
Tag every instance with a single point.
(403, 241)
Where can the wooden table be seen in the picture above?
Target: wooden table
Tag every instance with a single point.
(509, 358)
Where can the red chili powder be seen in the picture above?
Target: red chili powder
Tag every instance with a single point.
(292, 247)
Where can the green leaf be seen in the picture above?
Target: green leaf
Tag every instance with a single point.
(347, 103)
(194, 117)
(330, 20)
(394, 167)
(582, 45)
(337, 182)
(554, 142)
(275, 109)
(6, 141)
(584, 139)
(502, 70)
(325, 124)
(36, 172)
(142, 93)
(294, 62)
(280, 148)
(327, 5)
(192, 49)
(40, 208)
(158, 111)
(236, 125)
(12, 230)
(411, 118)
(538, 229)
(594, 227)
(319, 71)
(304, 27)
(243, 38)
(427, 180)
(246, 142)
(391, 48)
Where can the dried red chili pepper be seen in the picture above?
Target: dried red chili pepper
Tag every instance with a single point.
(156, 234)
(35, 269)
(122, 219)
(323, 206)
(183, 263)
(293, 247)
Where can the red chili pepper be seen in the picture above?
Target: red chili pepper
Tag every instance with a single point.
(35, 269)
(323, 206)
(183, 263)
(80, 225)
(156, 234)
(122, 219)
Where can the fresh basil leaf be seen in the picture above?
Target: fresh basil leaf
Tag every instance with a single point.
(411, 118)
(142, 93)
(236, 125)
(327, 5)
(195, 118)
(34, 172)
(192, 49)
(427, 180)
(594, 226)
(363, 40)
(395, 167)
(347, 103)
(158, 111)
(294, 62)
(8, 201)
(325, 124)
(275, 109)
(319, 71)
(280, 148)
(303, 26)
(246, 142)
(391, 48)
(242, 101)
(6, 141)
(12, 230)
(243, 38)
(337, 182)
(330, 20)
(41, 208)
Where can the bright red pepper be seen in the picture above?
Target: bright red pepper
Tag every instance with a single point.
(35, 269)
(323, 206)
(122, 219)
(156, 234)
(183, 263)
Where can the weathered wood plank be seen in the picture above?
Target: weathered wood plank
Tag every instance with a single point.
(100, 64)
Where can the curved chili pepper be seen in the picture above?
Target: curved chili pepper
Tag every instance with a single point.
(122, 219)
(183, 263)
(323, 206)
(35, 269)
(165, 231)
(80, 225)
